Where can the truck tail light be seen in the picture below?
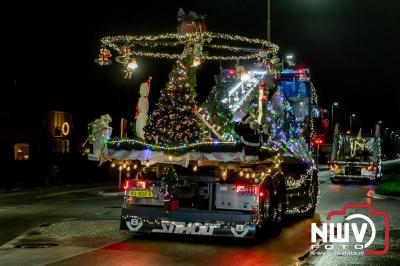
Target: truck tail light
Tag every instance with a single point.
(129, 201)
(246, 189)
(333, 166)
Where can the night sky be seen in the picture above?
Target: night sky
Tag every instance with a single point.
(351, 47)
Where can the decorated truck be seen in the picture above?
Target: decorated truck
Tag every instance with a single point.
(356, 157)
(234, 165)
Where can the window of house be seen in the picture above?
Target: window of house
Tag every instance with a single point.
(58, 121)
(21, 151)
(61, 146)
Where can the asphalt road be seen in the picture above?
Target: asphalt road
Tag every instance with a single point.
(84, 225)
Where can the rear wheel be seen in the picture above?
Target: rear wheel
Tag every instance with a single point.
(273, 211)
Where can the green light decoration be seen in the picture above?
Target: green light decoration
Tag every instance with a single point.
(173, 122)
(170, 176)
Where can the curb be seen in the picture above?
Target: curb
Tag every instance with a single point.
(111, 194)
(382, 197)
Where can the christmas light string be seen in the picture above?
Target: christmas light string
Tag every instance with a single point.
(154, 41)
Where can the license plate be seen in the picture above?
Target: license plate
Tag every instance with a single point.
(141, 193)
(366, 172)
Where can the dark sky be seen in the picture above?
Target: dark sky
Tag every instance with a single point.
(351, 47)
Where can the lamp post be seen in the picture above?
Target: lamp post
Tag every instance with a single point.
(289, 58)
(351, 122)
(334, 104)
(269, 21)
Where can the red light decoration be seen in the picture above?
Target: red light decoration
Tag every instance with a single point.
(127, 185)
(239, 188)
(262, 194)
(141, 184)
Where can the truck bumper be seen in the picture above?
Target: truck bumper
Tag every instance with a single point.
(353, 178)
(190, 222)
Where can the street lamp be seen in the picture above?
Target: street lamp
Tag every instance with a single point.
(334, 104)
(351, 122)
(289, 58)
(269, 22)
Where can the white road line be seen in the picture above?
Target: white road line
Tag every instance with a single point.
(66, 192)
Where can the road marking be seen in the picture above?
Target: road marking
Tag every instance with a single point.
(66, 192)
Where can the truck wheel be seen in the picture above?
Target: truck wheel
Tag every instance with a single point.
(273, 211)
(313, 192)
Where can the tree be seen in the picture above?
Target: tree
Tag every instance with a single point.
(173, 121)
(219, 113)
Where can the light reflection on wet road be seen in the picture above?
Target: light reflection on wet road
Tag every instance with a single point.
(284, 249)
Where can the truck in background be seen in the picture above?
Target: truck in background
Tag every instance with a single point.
(356, 157)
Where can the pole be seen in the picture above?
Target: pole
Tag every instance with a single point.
(332, 117)
(119, 177)
(351, 128)
(269, 22)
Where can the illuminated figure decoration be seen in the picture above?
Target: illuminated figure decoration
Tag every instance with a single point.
(250, 137)
(357, 145)
(99, 132)
(104, 57)
(142, 108)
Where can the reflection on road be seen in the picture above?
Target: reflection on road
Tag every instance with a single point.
(283, 249)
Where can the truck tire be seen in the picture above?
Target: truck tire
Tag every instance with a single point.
(274, 208)
(313, 194)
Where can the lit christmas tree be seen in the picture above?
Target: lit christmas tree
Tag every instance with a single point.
(173, 122)
(218, 112)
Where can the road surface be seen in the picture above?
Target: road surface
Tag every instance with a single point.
(83, 227)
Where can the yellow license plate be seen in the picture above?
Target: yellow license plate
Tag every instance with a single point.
(141, 193)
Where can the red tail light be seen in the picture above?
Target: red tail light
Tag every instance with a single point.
(246, 189)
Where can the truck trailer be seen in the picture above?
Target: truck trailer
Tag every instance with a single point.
(356, 157)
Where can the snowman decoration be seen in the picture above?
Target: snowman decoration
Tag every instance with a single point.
(142, 108)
